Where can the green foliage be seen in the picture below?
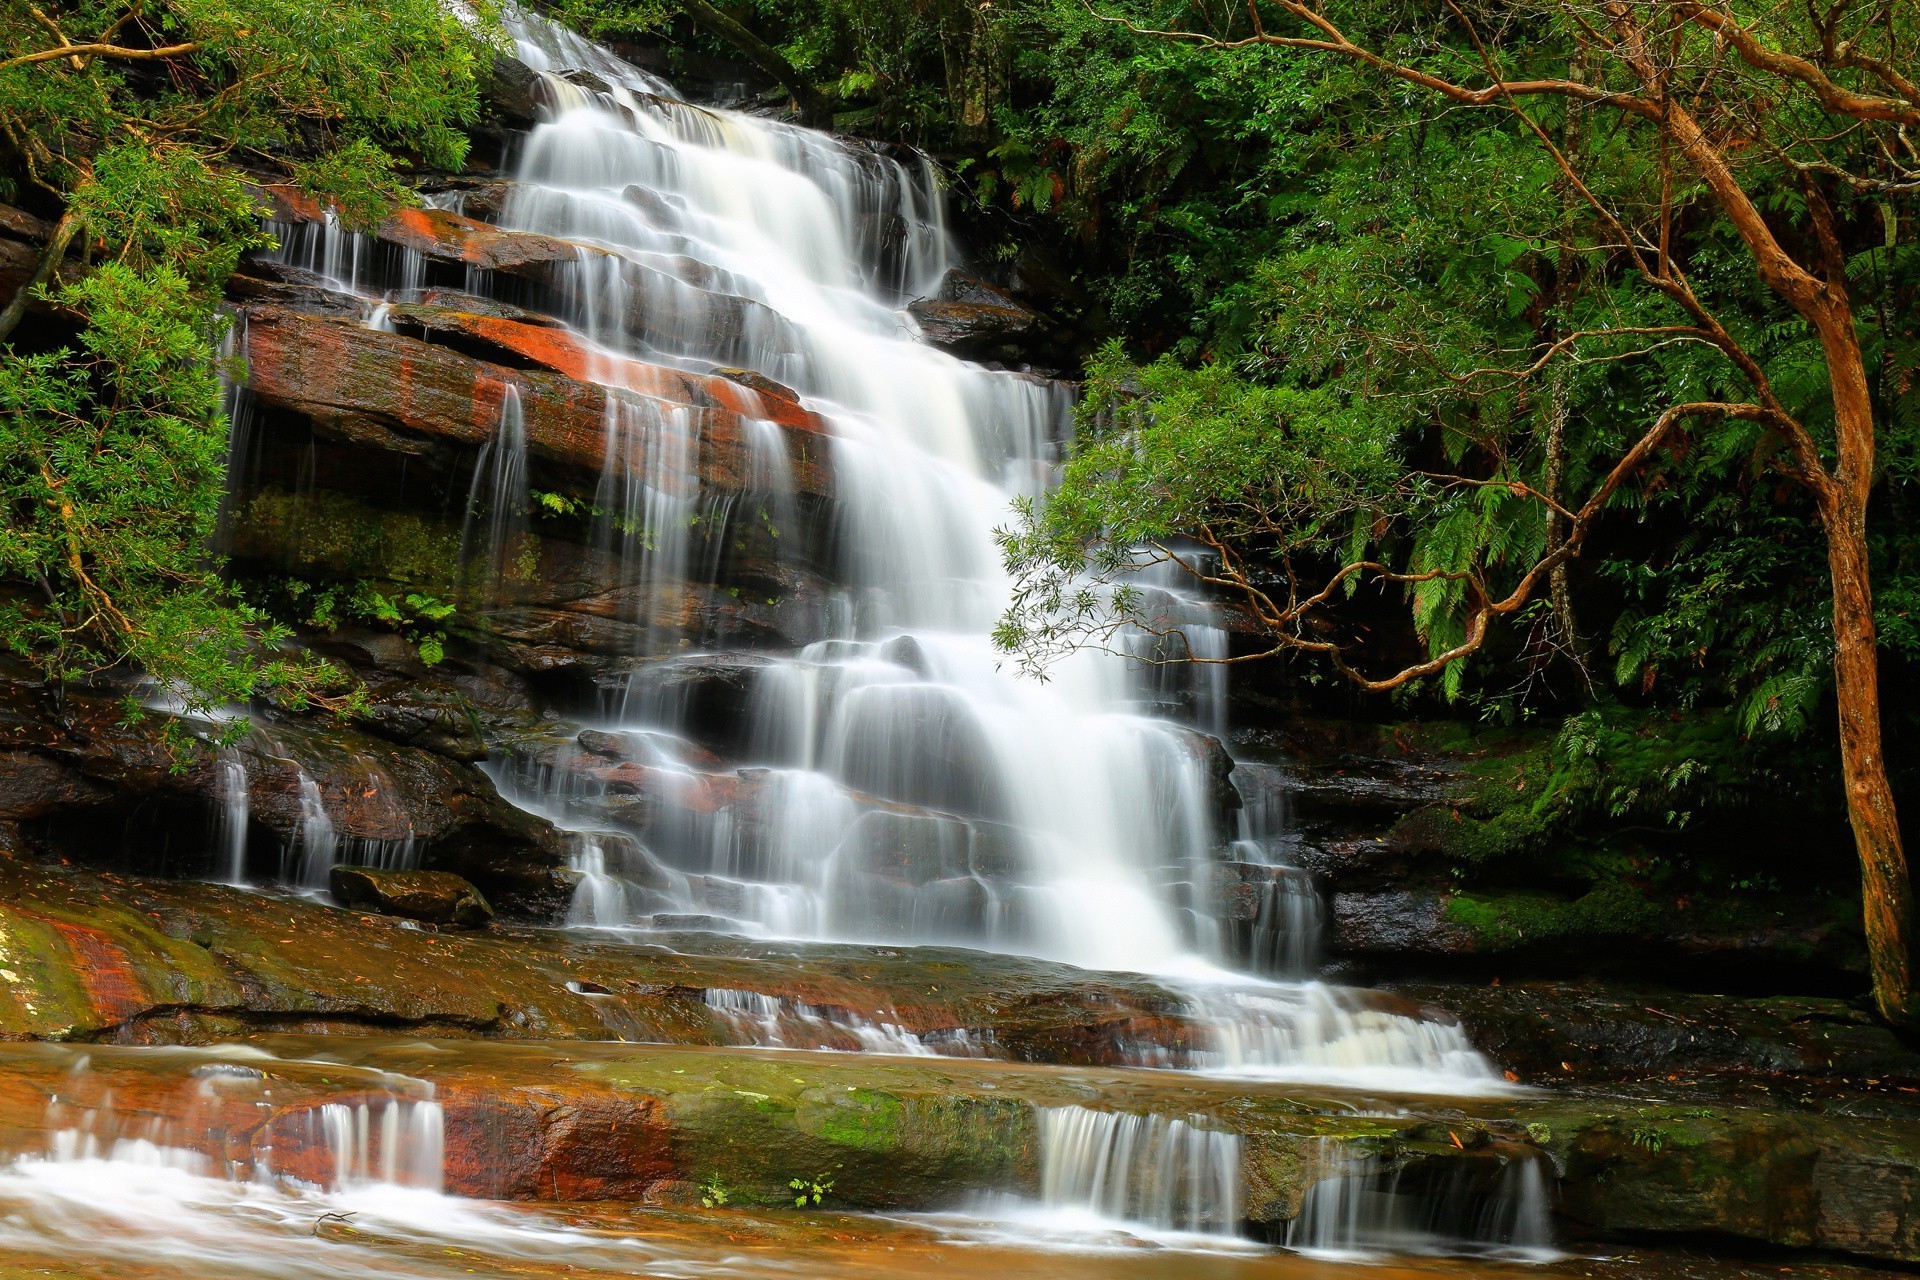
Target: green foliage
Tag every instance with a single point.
(714, 1192)
(814, 1189)
(419, 617)
(111, 447)
(110, 472)
(1309, 260)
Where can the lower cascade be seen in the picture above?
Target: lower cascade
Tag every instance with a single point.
(1501, 1209)
(1165, 1174)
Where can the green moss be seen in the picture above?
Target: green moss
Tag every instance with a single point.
(1508, 920)
(864, 1118)
(332, 537)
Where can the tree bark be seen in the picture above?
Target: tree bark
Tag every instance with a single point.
(56, 250)
(1886, 888)
(808, 101)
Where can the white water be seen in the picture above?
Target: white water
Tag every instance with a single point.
(1360, 1210)
(1166, 1174)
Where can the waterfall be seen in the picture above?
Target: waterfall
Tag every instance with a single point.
(316, 844)
(498, 499)
(391, 1133)
(890, 779)
(1501, 1207)
(230, 824)
(1163, 1173)
(771, 1022)
(396, 1142)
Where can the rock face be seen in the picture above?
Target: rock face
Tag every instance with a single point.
(102, 791)
(436, 897)
(407, 397)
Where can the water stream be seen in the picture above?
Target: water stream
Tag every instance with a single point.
(891, 780)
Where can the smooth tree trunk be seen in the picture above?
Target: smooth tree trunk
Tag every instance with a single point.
(1886, 888)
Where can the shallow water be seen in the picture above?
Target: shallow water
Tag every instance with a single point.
(128, 1217)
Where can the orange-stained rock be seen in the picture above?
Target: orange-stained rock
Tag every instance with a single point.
(401, 394)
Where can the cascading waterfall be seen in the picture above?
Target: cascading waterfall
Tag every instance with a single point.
(230, 834)
(771, 1022)
(498, 499)
(1167, 1173)
(392, 1134)
(317, 844)
(889, 781)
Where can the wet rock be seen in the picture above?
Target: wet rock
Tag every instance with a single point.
(971, 318)
(707, 697)
(910, 848)
(973, 328)
(436, 897)
(512, 91)
(922, 745)
(610, 745)
(673, 303)
(1402, 925)
(1780, 1178)
(670, 921)
(436, 717)
(1593, 1031)
(1216, 766)
(395, 394)
(110, 793)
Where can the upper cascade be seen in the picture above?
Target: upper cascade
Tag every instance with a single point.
(900, 785)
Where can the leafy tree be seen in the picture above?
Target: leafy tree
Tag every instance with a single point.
(139, 122)
(1686, 272)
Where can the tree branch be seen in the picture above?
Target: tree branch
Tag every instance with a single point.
(102, 51)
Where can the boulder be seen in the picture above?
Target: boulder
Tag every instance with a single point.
(971, 318)
(435, 897)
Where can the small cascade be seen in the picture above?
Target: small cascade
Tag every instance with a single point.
(648, 511)
(232, 818)
(1500, 1207)
(316, 845)
(389, 1131)
(1316, 1032)
(348, 261)
(397, 1142)
(770, 1022)
(1163, 1173)
(599, 899)
(498, 501)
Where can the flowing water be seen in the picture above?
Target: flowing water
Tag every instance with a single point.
(891, 780)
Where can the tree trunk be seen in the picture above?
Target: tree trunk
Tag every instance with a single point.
(812, 106)
(1559, 589)
(1885, 889)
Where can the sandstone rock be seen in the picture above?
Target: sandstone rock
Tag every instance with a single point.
(399, 395)
(112, 794)
(436, 897)
(971, 318)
